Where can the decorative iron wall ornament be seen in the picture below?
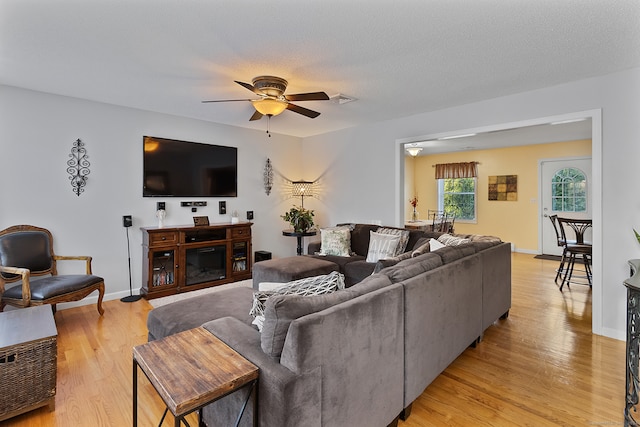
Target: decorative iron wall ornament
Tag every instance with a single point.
(78, 167)
(268, 177)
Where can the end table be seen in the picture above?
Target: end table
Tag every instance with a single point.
(191, 369)
(299, 235)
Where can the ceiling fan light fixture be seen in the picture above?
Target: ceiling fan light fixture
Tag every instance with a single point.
(269, 107)
(414, 151)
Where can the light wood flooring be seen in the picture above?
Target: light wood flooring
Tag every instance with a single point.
(540, 367)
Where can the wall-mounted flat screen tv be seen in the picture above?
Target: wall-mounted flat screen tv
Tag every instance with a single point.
(175, 168)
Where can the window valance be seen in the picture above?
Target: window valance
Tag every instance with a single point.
(456, 170)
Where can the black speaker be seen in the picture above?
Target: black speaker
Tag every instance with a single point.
(127, 221)
(261, 256)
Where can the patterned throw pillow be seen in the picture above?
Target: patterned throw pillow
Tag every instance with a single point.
(381, 246)
(450, 240)
(316, 285)
(404, 238)
(335, 241)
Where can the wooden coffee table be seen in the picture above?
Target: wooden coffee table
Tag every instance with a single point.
(191, 369)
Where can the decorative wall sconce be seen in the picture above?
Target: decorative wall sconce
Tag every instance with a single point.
(268, 177)
(78, 167)
(302, 189)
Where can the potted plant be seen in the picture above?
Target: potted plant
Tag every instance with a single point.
(301, 219)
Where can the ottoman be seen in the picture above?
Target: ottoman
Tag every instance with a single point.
(284, 270)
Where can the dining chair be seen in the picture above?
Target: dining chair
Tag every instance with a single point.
(27, 251)
(562, 243)
(574, 249)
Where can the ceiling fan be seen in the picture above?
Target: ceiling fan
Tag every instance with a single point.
(272, 99)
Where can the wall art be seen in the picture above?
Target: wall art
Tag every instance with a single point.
(78, 167)
(503, 187)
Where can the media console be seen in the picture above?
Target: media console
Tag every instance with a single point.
(186, 258)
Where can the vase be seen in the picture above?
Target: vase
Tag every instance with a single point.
(414, 216)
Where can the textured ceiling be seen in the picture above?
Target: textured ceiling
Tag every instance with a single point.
(398, 58)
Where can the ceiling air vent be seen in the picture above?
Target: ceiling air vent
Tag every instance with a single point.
(342, 99)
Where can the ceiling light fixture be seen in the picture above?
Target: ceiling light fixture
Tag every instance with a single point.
(414, 151)
(269, 107)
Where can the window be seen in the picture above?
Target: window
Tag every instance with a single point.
(569, 191)
(458, 196)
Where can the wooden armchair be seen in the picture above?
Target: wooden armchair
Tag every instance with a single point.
(26, 251)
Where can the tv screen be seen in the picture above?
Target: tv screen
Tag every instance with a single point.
(175, 168)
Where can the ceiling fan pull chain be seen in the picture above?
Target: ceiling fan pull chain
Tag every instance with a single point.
(268, 124)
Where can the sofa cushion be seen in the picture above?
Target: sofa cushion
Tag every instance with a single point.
(335, 241)
(404, 238)
(388, 262)
(308, 286)
(382, 246)
(192, 312)
(449, 254)
(360, 238)
(412, 267)
(356, 271)
(281, 310)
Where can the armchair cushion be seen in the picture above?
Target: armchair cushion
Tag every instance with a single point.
(27, 249)
(54, 286)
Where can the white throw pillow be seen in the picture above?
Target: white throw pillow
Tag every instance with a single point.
(381, 246)
(335, 241)
(404, 238)
(435, 245)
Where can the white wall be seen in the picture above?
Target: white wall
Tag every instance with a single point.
(36, 134)
(357, 171)
(361, 178)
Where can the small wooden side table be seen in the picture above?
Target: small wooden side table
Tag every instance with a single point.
(191, 369)
(298, 235)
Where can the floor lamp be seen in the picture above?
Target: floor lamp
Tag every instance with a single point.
(131, 297)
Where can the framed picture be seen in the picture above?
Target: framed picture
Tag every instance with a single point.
(503, 187)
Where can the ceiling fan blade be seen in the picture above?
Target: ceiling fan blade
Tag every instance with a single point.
(256, 116)
(248, 86)
(311, 96)
(227, 100)
(304, 111)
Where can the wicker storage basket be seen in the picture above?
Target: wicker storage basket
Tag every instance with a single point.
(27, 376)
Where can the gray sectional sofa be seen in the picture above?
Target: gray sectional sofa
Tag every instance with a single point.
(357, 356)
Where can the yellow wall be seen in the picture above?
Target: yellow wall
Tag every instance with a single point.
(515, 222)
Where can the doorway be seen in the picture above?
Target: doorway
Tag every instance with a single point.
(565, 190)
(595, 118)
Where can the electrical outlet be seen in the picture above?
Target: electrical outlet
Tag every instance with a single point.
(160, 206)
(222, 207)
(127, 221)
(249, 215)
